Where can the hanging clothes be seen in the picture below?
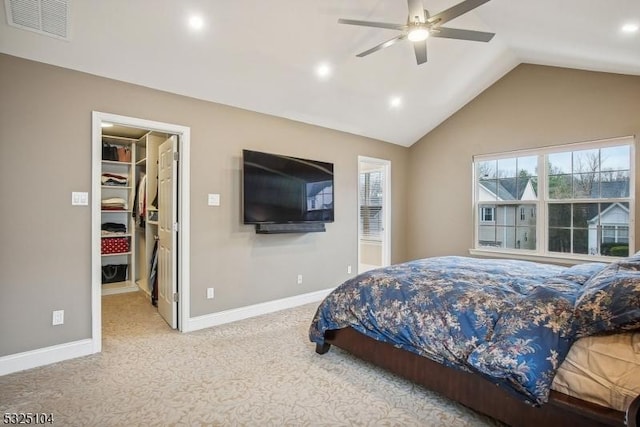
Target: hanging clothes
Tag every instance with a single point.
(140, 202)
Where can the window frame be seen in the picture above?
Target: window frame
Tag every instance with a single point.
(542, 253)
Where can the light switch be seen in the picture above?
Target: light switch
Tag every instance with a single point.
(213, 200)
(79, 198)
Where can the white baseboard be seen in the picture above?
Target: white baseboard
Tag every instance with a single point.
(44, 356)
(57, 353)
(233, 315)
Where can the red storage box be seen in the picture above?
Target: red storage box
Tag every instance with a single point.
(115, 245)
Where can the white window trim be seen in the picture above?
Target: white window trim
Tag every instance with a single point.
(542, 253)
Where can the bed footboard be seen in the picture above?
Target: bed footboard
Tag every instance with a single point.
(475, 391)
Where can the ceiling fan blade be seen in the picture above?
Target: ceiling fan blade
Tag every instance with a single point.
(455, 11)
(420, 49)
(387, 25)
(416, 9)
(454, 33)
(382, 45)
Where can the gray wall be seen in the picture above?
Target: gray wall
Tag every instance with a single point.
(532, 106)
(45, 154)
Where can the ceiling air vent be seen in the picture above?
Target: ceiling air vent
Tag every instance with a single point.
(47, 17)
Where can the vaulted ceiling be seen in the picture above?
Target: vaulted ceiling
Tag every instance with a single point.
(264, 55)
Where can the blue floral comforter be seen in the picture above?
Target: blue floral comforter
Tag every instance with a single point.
(511, 321)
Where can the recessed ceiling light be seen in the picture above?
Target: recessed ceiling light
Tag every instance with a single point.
(323, 71)
(630, 28)
(395, 102)
(196, 22)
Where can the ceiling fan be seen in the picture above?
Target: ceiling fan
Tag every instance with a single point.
(420, 25)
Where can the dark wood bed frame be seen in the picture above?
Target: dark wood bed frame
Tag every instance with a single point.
(476, 392)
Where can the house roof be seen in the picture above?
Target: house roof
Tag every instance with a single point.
(262, 56)
(506, 188)
(513, 188)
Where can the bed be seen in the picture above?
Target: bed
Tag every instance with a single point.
(493, 334)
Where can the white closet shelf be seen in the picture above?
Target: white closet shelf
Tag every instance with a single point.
(116, 210)
(116, 187)
(116, 235)
(117, 254)
(115, 162)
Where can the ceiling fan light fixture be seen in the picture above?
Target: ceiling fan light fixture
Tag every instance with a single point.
(418, 34)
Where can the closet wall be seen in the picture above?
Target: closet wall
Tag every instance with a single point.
(146, 209)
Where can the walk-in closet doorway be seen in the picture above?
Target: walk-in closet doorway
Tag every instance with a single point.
(140, 215)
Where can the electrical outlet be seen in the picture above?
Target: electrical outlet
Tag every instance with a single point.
(348, 269)
(58, 317)
(210, 293)
(299, 279)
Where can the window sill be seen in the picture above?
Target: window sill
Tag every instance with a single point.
(549, 259)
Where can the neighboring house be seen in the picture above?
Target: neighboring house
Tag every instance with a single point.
(613, 219)
(507, 225)
(513, 226)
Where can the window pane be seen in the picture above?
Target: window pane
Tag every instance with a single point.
(507, 189)
(559, 240)
(487, 236)
(527, 180)
(506, 214)
(506, 237)
(526, 215)
(507, 168)
(585, 161)
(528, 165)
(581, 242)
(488, 190)
(487, 170)
(614, 184)
(614, 222)
(526, 237)
(560, 215)
(615, 158)
(585, 214)
(586, 186)
(560, 187)
(559, 163)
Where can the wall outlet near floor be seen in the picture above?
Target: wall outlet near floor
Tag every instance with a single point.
(210, 293)
(348, 269)
(299, 279)
(58, 317)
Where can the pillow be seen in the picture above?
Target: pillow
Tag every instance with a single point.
(610, 299)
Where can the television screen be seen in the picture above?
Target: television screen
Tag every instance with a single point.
(281, 189)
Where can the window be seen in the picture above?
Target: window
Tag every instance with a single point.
(371, 205)
(487, 214)
(573, 199)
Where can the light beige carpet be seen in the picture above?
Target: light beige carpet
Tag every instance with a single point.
(256, 372)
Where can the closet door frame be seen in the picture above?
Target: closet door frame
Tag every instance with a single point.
(183, 203)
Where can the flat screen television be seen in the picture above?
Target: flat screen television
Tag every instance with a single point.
(285, 190)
